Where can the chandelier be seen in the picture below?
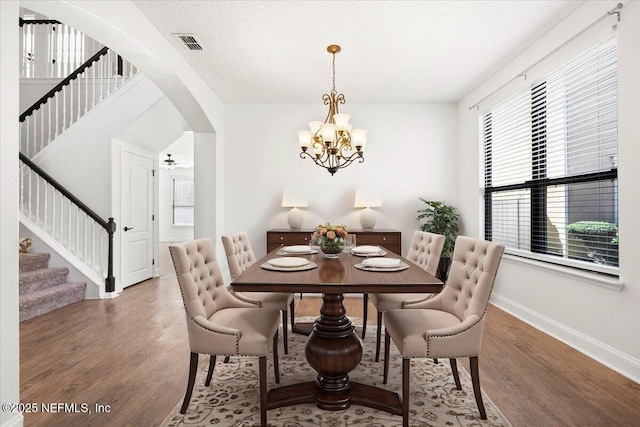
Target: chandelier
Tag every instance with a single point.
(335, 143)
(168, 163)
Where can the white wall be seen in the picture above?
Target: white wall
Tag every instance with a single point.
(411, 152)
(601, 322)
(9, 102)
(32, 90)
(80, 158)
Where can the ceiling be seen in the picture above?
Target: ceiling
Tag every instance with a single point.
(392, 51)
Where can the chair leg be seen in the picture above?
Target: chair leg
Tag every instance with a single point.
(262, 362)
(378, 336)
(276, 365)
(475, 379)
(292, 309)
(212, 366)
(385, 369)
(365, 309)
(285, 332)
(193, 368)
(406, 363)
(226, 359)
(454, 371)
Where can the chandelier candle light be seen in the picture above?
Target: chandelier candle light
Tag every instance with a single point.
(335, 143)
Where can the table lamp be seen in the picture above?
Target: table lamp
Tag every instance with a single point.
(295, 215)
(367, 200)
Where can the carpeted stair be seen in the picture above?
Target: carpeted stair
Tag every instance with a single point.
(43, 289)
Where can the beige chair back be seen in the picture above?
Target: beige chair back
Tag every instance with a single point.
(473, 271)
(425, 250)
(203, 292)
(239, 253)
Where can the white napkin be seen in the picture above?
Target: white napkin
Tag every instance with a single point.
(382, 262)
(288, 262)
(297, 249)
(366, 249)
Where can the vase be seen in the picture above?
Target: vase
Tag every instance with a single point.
(331, 248)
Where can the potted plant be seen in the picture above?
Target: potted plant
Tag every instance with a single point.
(441, 218)
(332, 238)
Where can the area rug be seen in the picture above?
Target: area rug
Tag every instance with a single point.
(232, 398)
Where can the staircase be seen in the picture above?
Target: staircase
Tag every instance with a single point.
(47, 209)
(44, 289)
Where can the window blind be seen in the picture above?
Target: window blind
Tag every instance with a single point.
(183, 201)
(550, 164)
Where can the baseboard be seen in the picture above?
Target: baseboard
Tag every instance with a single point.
(608, 356)
(16, 420)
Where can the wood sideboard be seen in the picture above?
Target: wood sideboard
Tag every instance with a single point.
(390, 239)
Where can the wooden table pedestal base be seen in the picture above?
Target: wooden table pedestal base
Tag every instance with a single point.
(333, 349)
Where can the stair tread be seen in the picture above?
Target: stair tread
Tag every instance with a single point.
(31, 261)
(63, 287)
(36, 280)
(49, 299)
(45, 271)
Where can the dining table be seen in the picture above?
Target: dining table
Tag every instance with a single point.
(333, 349)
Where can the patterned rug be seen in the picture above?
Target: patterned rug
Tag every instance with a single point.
(232, 398)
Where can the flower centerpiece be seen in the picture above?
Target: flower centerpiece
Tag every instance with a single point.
(331, 237)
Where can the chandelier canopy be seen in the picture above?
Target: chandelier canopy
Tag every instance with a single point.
(335, 143)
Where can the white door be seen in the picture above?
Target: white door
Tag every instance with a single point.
(137, 212)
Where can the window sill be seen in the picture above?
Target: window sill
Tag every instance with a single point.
(181, 225)
(596, 279)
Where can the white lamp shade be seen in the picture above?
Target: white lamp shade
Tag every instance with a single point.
(328, 131)
(367, 199)
(342, 120)
(315, 126)
(358, 137)
(290, 201)
(304, 138)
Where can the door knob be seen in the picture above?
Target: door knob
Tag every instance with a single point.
(127, 228)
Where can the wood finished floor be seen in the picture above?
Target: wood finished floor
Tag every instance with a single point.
(131, 353)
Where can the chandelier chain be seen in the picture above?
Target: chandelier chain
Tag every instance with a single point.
(334, 73)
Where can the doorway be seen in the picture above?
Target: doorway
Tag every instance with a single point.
(136, 225)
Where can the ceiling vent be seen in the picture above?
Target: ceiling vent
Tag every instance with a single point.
(189, 41)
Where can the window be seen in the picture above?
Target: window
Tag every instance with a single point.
(550, 165)
(183, 207)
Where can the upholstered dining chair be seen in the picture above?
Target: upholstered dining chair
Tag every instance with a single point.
(425, 251)
(217, 322)
(240, 256)
(450, 324)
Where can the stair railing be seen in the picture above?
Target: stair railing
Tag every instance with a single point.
(69, 221)
(71, 99)
(51, 49)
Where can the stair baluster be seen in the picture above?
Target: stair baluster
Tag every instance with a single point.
(78, 234)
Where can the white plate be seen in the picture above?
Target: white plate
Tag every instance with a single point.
(366, 249)
(289, 262)
(382, 262)
(297, 249)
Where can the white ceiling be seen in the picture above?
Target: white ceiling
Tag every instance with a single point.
(392, 51)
